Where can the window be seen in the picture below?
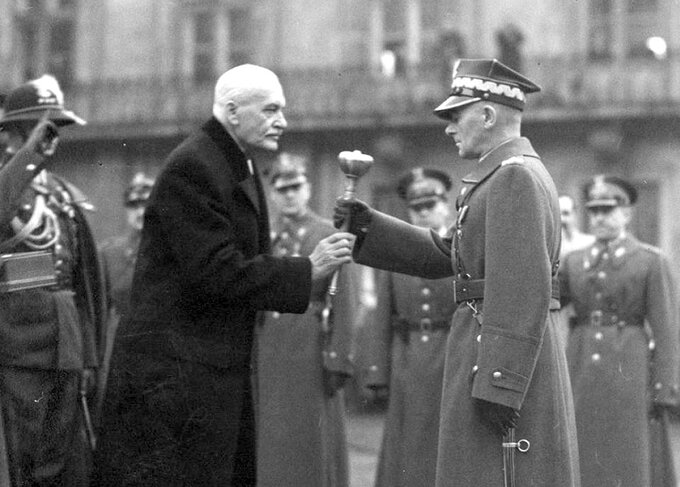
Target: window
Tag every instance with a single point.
(46, 33)
(600, 35)
(239, 39)
(393, 56)
(625, 28)
(204, 47)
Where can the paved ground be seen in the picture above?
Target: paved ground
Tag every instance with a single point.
(364, 433)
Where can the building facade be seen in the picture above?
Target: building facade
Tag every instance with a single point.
(361, 74)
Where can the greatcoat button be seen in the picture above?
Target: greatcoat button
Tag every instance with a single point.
(596, 357)
(598, 335)
(497, 374)
(479, 338)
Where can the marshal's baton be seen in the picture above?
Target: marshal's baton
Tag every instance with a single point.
(509, 446)
(354, 164)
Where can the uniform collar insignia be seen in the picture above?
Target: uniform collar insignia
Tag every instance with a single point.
(492, 159)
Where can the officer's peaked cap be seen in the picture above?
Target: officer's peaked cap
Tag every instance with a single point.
(421, 184)
(36, 98)
(485, 79)
(288, 170)
(605, 190)
(139, 189)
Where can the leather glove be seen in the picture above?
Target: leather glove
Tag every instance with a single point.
(43, 139)
(659, 408)
(499, 417)
(355, 211)
(333, 381)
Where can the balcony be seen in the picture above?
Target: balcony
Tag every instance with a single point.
(573, 89)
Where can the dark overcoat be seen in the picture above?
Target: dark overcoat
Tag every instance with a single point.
(301, 428)
(509, 236)
(623, 297)
(179, 407)
(404, 348)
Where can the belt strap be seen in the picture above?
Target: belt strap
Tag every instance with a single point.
(473, 289)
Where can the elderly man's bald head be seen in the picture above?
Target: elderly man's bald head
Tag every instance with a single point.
(241, 82)
(249, 103)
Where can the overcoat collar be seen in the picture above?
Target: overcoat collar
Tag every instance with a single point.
(491, 160)
(236, 159)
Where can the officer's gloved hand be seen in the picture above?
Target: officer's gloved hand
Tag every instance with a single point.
(661, 407)
(355, 211)
(334, 381)
(498, 416)
(43, 139)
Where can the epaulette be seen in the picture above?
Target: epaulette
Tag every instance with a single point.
(513, 160)
(650, 248)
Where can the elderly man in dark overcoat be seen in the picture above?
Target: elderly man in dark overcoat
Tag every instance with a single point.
(623, 346)
(506, 411)
(178, 409)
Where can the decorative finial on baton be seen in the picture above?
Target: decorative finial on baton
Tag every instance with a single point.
(354, 164)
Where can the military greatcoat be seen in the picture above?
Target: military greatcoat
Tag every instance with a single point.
(510, 237)
(616, 290)
(405, 346)
(301, 428)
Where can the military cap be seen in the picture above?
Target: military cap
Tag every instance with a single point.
(423, 184)
(288, 170)
(485, 79)
(610, 191)
(34, 99)
(139, 190)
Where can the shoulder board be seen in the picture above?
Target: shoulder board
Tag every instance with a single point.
(513, 160)
(650, 248)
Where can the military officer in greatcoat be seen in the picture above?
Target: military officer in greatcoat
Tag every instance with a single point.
(119, 255)
(624, 300)
(506, 412)
(303, 361)
(405, 344)
(52, 298)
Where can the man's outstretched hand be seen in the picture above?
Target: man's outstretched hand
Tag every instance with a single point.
(330, 253)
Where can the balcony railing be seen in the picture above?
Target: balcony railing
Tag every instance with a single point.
(318, 99)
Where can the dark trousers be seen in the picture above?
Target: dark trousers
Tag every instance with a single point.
(44, 431)
(168, 422)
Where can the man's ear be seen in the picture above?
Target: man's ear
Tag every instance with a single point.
(230, 109)
(490, 116)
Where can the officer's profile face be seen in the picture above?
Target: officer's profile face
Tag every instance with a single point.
(292, 199)
(259, 120)
(567, 212)
(16, 134)
(608, 222)
(466, 128)
(432, 213)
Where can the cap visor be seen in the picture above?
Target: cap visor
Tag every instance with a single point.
(609, 202)
(453, 103)
(59, 117)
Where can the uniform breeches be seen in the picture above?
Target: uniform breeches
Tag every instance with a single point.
(43, 427)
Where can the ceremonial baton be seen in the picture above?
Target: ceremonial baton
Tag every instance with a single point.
(354, 164)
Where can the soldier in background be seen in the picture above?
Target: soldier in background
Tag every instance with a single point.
(572, 237)
(119, 255)
(52, 298)
(303, 361)
(405, 345)
(622, 291)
